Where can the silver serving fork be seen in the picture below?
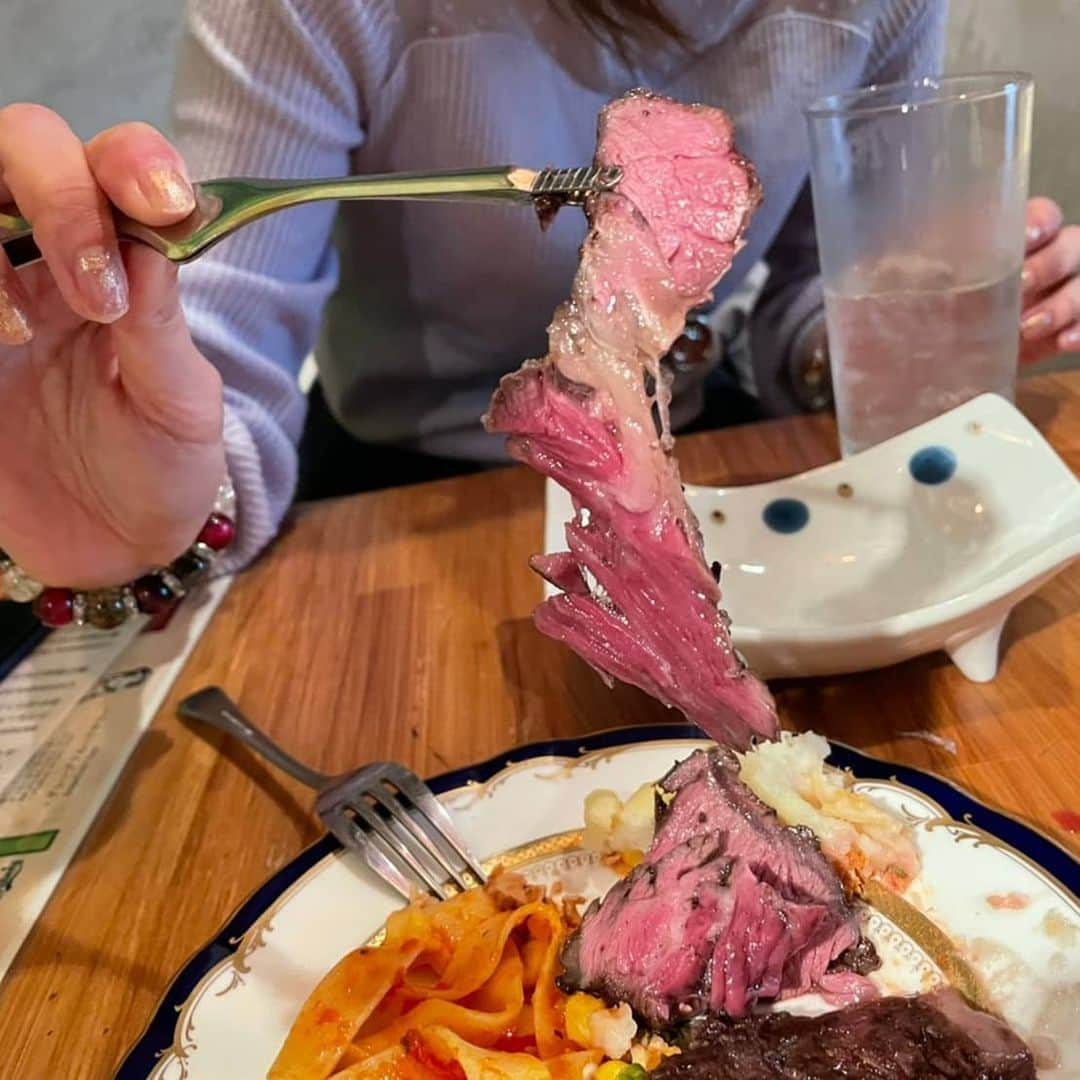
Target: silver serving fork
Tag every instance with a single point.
(223, 206)
(383, 812)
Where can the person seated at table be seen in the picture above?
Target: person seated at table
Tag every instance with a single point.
(128, 392)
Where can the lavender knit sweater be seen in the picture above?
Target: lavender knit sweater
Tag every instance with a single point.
(419, 308)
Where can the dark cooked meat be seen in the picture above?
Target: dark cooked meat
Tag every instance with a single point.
(638, 601)
(861, 958)
(729, 907)
(918, 1038)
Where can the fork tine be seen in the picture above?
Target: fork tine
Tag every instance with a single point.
(400, 815)
(391, 819)
(377, 826)
(420, 795)
(405, 840)
(575, 184)
(354, 838)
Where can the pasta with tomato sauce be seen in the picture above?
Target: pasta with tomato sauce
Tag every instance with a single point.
(461, 989)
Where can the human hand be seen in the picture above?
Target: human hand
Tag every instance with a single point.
(1050, 318)
(111, 440)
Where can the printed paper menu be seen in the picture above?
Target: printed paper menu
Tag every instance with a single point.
(60, 770)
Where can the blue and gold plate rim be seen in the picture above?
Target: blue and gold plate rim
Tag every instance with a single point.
(1037, 847)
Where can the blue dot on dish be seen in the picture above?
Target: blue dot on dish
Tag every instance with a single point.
(786, 515)
(932, 464)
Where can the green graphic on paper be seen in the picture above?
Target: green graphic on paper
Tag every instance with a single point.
(28, 843)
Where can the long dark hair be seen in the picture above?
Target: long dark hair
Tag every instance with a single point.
(627, 25)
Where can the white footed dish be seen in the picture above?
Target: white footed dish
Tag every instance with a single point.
(925, 542)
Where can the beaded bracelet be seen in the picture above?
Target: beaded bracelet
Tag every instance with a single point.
(151, 594)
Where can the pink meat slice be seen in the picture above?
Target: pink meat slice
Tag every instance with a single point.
(638, 601)
(728, 908)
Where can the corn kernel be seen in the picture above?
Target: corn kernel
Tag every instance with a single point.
(610, 1070)
(579, 1008)
(633, 857)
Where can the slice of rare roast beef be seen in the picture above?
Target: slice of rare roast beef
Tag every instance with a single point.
(710, 797)
(930, 1037)
(638, 601)
(729, 908)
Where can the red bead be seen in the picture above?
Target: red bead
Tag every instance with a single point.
(55, 607)
(218, 532)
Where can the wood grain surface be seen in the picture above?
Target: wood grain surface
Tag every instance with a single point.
(396, 625)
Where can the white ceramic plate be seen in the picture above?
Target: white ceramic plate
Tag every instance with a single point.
(1005, 894)
(924, 542)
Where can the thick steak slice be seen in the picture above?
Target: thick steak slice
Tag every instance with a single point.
(652, 938)
(710, 798)
(729, 907)
(929, 1037)
(692, 932)
(638, 601)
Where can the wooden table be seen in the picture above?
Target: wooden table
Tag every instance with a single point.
(396, 625)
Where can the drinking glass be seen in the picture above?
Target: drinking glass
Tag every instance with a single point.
(919, 197)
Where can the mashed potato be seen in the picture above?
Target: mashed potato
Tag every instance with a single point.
(859, 837)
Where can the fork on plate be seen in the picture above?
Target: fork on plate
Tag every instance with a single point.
(383, 812)
(223, 206)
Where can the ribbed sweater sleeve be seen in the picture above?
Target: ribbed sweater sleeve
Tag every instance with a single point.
(262, 91)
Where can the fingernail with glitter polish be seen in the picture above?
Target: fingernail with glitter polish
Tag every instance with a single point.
(167, 191)
(1070, 339)
(101, 282)
(1036, 324)
(15, 328)
(1026, 278)
(1033, 233)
